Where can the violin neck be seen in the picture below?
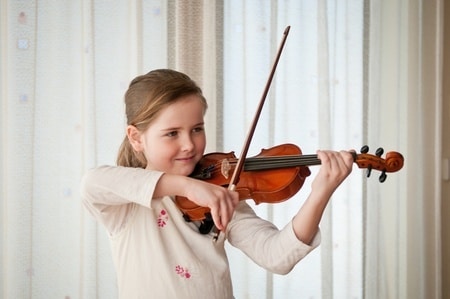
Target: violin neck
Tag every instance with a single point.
(265, 163)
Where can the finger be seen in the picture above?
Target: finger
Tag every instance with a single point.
(340, 159)
(224, 213)
(336, 162)
(329, 160)
(216, 218)
(349, 158)
(223, 210)
(323, 157)
(226, 210)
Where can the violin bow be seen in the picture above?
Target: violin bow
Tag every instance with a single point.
(240, 163)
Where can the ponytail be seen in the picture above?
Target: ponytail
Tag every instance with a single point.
(128, 157)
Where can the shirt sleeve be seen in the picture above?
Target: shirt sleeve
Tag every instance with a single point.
(109, 193)
(275, 250)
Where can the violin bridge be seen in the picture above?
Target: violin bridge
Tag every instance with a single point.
(225, 168)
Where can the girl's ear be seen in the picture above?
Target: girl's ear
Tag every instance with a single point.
(134, 136)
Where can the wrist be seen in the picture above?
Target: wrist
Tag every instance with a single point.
(171, 184)
(321, 194)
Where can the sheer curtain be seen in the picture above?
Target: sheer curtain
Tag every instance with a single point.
(315, 102)
(404, 104)
(352, 73)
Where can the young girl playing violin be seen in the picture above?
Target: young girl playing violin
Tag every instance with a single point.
(156, 253)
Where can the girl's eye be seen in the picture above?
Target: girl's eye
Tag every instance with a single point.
(172, 134)
(198, 129)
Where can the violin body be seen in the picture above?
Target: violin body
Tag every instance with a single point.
(262, 185)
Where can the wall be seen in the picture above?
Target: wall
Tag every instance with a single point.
(446, 155)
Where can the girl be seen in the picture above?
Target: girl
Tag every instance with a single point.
(157, 254)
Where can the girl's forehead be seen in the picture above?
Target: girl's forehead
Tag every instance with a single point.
(188, 108)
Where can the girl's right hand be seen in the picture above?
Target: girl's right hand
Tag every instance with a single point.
(218, 199)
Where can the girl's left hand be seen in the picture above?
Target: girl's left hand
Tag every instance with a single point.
(336, 166)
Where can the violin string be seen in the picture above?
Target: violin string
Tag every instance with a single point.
(281, 161)
(265, 163)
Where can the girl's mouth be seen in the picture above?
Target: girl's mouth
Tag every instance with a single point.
(186, 159)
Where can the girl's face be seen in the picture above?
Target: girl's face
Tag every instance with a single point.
(175, 141)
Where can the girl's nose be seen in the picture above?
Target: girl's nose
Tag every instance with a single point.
(187, 143)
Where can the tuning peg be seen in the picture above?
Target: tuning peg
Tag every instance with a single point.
(369, 170)
(379, 152)
(364, 149)
(382, 177)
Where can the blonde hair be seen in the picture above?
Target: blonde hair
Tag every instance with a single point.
(146, 96)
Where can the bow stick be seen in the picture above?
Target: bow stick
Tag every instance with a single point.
(240, 163)
(248, 139)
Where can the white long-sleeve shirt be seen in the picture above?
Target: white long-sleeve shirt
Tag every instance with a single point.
(157, 254)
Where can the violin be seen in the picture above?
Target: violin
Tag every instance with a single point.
(274, 175)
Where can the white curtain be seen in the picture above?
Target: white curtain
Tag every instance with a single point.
(351, 73)
(315, 102)
(403, 231)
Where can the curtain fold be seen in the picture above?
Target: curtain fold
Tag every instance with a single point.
(194, 46)
(351, 73)
(402, 237)
(325, 140)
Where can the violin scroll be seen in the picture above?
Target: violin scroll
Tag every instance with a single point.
(392, 163)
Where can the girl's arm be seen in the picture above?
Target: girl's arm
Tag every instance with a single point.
(280, 250)
(108, 193)
(336, 166)
(220, 200)
(107, 190)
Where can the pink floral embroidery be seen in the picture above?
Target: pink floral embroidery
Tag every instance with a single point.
(163, 217)
(183, 272)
